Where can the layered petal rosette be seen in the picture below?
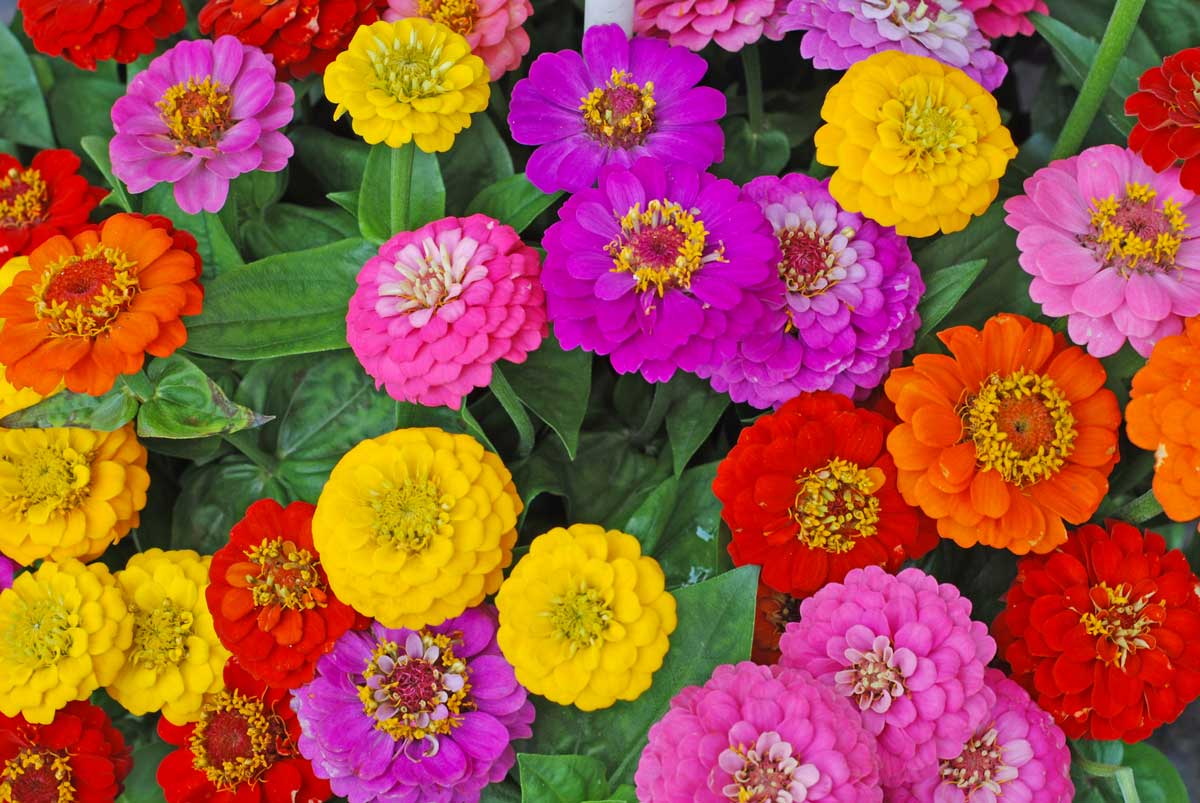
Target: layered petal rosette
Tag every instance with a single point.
(694, 24)
(100, 30)
(1168, 116)
(46, 198)
(493, 28)
(1005, 17)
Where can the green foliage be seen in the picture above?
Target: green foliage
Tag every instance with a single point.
(513, 200)
(1114, 772)
(23, 116)
(186, 403)
(401, 190)
(561, 779)
(555, 385)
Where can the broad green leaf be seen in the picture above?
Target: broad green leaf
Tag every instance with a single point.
(694, 411)
(81, 106)
(749, 154)
(23, 117)
(1156, 777)
(609, 477)
(507, 397)
(1171, 24)
(141, 786)
(66, 409)
(555, 385)
(625, 793)
(214, 497)
(337, 163)
(213, 240)
(97, 149)
(678, 524)
(479, 158)
(513, 201)
(290, 227)
(401, 190)
(502, 792)
(943, 290)
(561, 779)
(346, 199)
(187, 404)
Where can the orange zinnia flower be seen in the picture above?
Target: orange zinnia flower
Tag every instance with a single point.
(87, 309)
(1006, 438)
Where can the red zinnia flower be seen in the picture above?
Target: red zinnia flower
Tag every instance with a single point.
(1102, 632)
(242, 750)
(302, 35)
(1168, 111)
(270, 599)
(86, 31)
(809, 493)
(773, 611)
(37, 202)
(79, 757)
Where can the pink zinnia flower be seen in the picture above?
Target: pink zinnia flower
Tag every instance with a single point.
(759, 734)
(492, 27)
(200, 115)
(437, 306)
(1005, 17)
(732, 24)
(905, 650)
(1111, 244)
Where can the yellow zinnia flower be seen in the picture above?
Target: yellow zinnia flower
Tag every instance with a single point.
(64, 632)
(584, 617)
(68, 493)
(917, 145)
(416, 526)
(412, 79)
(176, 657)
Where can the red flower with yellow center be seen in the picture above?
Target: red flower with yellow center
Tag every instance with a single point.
(46, 198)
(1167, 107)
(270, 599)
(809, 493)
(87, 309)
(1102, 632)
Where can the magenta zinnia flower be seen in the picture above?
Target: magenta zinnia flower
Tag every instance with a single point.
(843, 32)
(8, 570)
(492, 27)
(850, 306)
(436, 307)
(424, 715)
(662, 267)
(200, 115)
(618, 101)
(905, 650)
(732, 24)
(759, 734)
(1111, 244)
(1005, 17)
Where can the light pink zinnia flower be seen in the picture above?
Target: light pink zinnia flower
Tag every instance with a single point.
(1111, 244)
(759, 734)
(200, 115)
(732, 24)
(492, 27)
(1005, 17)
(437, 306)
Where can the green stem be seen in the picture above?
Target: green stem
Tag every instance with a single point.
(754, 98)
(1112, 47)
(244, 443)
(1140, 510)
(1121, 774)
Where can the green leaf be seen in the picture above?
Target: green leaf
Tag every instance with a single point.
(1172, 24)
(213, 241)
(555, 385)
(337, 163)
(97, 149)
(502, 792)
(23, 116)
(290, 227)
(186, 403)
(513, 201)
(401, 190)
(479, 157)
(695, 410)
(214, 497)
(678, 523)
(81, 106)
(749, 153)
(141, 786)
(347, 200)
(1156, 777)
(625, 793)
(66, 409)
(943, 290)
(561, 779)
(507, 397)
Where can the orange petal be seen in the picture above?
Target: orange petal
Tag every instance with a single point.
(955, 468)
(171, 335)
(142, 241)
(937, 425)
(990, 494)
(1095, 446)
(1078, 374)
(50, 251)
(290, 628)
(172, 267)
(1001, 336)
(131, 331)
(236, 604)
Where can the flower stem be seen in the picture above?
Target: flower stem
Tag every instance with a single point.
(754, 97)
(1140, 510)
(1112, 48)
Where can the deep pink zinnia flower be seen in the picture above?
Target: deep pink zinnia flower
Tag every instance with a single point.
(732, 24)
(436, 307)
(1005, 17)
(759, 734)
(1112, 245)
(199, 116)
(492, 27)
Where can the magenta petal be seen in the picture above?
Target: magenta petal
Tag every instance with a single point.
(201, 190)
(240, 136)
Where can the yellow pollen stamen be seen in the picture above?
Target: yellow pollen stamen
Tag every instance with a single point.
(277, 572)
(409, 70)
(836, 505)
(23, 198)
(196, 112)
(54, 480)
(417, 691)
(580, 616)
(409, 515)
(662, 247)
(457, 15)
(31, 771)
(236, 740)
(39, 633)
(620, 113)
(979, 766)
(160, 636)
(1133, 234)
(921, 131)
(1121, 624)
(81, 295)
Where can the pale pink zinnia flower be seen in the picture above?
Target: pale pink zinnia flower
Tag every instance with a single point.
(492, 27)
(732, 24)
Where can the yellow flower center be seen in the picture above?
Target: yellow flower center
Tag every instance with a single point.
(979, 766)
(457, 15)
(409, 70)
(621, 113)
(809, 265)
(53, 479)
(1022, 427)
(277, 572)
(23, 198)
(160, 636)
(81, 295)
(196, 113)
(1136, 233)
(1120, 623)
(836, 505)
(663, 246)
(34, 775)
(409, 515)
(923, 131)
(236, 740)
(581, 617)
(38, 633)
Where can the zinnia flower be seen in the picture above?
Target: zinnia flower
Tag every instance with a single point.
(693, 24)
(759, 733)
(8, 570)
(12, 399)
(176, 657)
(773, 612)
(199, 116)
(1168, 116)
(661, 268)
(78, 757)
(1111, 244)
(99, 30)
(436, 307)
(88, 309)
(424, 714)
(301, 36)
(1006, 438)
(618, 101)
(1163, 416)
(242, 749)
(64, 632)
(69, 493)
(925, 155)
(840, 33)
(997, 18)
(269, 597)
(492, 27)
(1103, 632)
(851, 293)
(416, 526)
(904, 649)
(410, 80)
(585, 617)
(37, 202)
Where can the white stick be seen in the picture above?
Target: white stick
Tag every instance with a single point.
(601, 12)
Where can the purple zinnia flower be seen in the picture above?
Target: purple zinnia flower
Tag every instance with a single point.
(619, 101)
(408, 715)
(850, 306)
(200, 115)
(759, 734)
(662, 267)
(905, 650)
(842, 32)
(8, 570)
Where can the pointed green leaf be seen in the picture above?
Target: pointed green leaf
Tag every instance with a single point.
(186, 403)
(561, 779)
(513, 201)
(23, 116)
(943, 291)
(97, 149)
(555, 385)
(66, 409)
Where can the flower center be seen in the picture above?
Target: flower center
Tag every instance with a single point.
(53, 479)
(836, 504)
(408, 516)
(1122, 623)
(619, 114)
(1021, 425)
(915, 15)
(784, 610)
(277, 572)
(236, 740)
(23, 198)
(37, 776)
(429, 278)
(1136, 234)
(82, 294)
(979, 766)
(39, 633)
(875, 678)
(920, 132)
(810, 261)
(766, 772)
(581, 617)
(417, 691)
(196, 113)
(406, 70)
(662, 246)
(160, 636)
(457, 15)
